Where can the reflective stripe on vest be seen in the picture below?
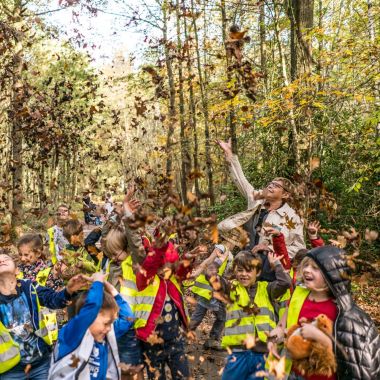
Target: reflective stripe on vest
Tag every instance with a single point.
(239, 323)
(147, 297)
(282, 303)
(48, 326)
(202, 286)
(128, 288)
(296, 302)
(52, 247)
(9, 350)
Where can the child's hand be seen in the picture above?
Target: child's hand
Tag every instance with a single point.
(260, 247)
(277, 335)
(130, 206)
(309, 331)
(76, 283)
(313, 228)
(98, 276)
(110, 289)
(274, 259)
(198, 250)
(272, 230)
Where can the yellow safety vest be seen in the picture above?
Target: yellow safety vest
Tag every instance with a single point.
(141, 302)
(52, 247)
(41, 277)
(239, 323)
(10, 350)
(48, 326)
(298, 298)
(128, 288)
(202, 287)
(282, 302)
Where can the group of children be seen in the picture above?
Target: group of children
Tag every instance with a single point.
(128, 315)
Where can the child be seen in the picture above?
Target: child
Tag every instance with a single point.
(215, 267)
(324, 273)
(161, 312)
(26, 333)
(250, 315)
(33, 266)
(86, 347)
(121, 275)
(76, 251)
(57, 241)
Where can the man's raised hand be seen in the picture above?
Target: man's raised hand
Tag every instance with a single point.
(227, 148)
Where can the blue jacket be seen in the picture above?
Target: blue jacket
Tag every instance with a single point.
(71, 334)
(47, 297)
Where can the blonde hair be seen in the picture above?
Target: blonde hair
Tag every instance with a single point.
(304, 263)
(115, 241)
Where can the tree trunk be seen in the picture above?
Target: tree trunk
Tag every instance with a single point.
(17, 104)
(204, 110)
(41, 185)
(192, 111)
(231, 120)
(185, 161)
(172, 111)
(263, 45)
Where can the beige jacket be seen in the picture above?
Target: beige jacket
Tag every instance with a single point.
(285, 217)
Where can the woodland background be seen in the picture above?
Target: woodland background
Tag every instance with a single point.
(295, 84)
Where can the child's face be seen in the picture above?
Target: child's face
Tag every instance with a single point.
(103, 324)
(63, 214)
(27, 255)
(312, 277)
(119, 257)
(7, 265)
(77, 240)
(246, 277)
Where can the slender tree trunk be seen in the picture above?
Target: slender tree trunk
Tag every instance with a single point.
(263, 45)
(17, 104)
(192, 110)
(169, 69)
(204, 110)
(41, 185)
(183, 138)
(231, 120)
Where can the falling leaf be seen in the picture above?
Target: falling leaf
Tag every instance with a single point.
(314, 163)
(371, 236)
(340, 242)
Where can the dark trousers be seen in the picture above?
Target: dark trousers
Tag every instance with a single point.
(172, 353)
(220, 317)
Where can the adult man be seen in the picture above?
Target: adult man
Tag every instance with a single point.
(265, 207)
(57, 241)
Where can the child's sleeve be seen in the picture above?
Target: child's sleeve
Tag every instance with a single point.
(126, 318)
(280, 249)
(281, 284)
(153, 261)
(52, 299)
(316, 242)
(71, 334)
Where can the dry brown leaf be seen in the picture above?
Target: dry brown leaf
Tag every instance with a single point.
(371, 236)
(314, 163)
